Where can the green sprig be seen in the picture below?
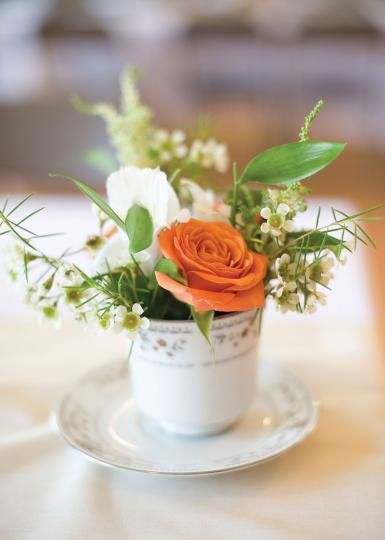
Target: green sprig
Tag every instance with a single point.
(309, 119)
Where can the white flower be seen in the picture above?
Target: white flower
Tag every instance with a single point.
(49, 312)
(130, 321)
(15, 260)
(205, 205)
(312, 299)
(68, 276)
(276, 221)
(169, 145)
(99, 320)
(148, 188)
(319, 271)
(285, 269)
(286, 297)
(210, 153)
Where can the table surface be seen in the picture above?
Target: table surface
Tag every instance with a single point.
(331, 487)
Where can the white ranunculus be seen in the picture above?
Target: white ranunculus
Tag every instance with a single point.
(148, 188)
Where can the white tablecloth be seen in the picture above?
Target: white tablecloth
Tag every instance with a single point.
(331, 487)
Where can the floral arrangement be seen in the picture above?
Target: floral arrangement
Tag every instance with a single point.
(166, 247)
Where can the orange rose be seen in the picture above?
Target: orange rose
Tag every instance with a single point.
(220, 273)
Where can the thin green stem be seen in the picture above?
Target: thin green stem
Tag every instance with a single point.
(235, 194)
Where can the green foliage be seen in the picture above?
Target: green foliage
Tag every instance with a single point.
(95, 198)
(249, 202)
(309, 119)
(289, 163)
(332, 237)
(316, 240)
(139, 228)
(204, 321)
(128, 129)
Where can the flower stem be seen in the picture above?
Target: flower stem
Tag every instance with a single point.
(235, 194)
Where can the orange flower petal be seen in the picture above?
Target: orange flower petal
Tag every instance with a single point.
(221, 273)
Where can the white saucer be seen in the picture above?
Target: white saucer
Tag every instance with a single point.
(99, 418)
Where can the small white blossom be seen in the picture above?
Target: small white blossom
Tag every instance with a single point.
(209, 154)
(312, 299)
(287, 297)
(99, 319)
(276, 222)
(15, 260)
(284, 268)
(68, 276)
(319, 271)
(49, 313)
(169, 145)
(130, 321)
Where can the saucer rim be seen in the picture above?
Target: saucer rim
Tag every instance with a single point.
(312, 422)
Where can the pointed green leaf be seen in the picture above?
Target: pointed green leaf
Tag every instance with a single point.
(289, 163)
(316, 240)
(139, 228)
(95, 198)
(204, 321)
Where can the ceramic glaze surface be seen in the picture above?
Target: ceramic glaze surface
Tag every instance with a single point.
(177, 382)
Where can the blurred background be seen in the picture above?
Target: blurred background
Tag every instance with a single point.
(255, 67)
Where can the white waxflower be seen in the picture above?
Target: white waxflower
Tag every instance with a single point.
(169, 145)
(312, 299)
(99, 320)
(69, 281)
(285, 269)
(33, 295)
(49, 312)
(16, 257)
(209, 154)
(276, 221)
(130, 321)
(287, 297)
(319, 270)
(68, 276)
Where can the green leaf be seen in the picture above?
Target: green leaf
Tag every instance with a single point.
(204, 321)
(289, 163)
(170, 269)
(95, 198)
(139, 228)
(316, 240)
(173, 176)
(87, 279)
